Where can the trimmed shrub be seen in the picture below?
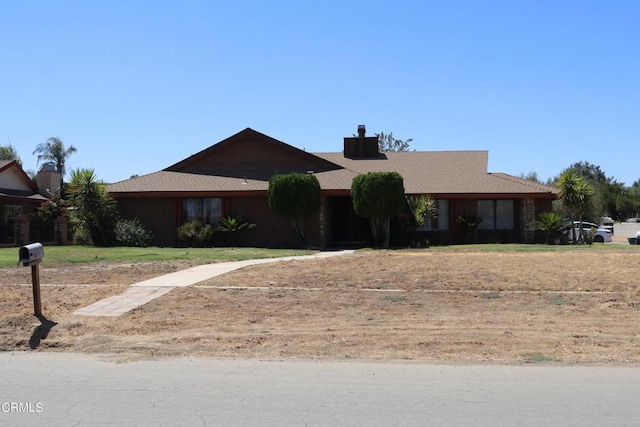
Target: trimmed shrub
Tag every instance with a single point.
(194, 234)
(378, 196)
(295, 196)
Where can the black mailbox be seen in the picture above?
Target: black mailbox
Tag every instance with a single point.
(31, 254)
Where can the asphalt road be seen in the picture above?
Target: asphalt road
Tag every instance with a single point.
(57, 389)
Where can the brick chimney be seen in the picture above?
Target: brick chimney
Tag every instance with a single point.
(361, 146)
(48, 180)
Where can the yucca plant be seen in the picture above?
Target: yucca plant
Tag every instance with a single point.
(468, 223)
(234, 224)
(551, 224)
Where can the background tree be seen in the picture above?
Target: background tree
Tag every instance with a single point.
(378, 196)
(295, 196)
(608, 195)
(96, 209)
(576, 195)
(53, 150)
(8, 152)
(387, 142)
(628, 203)
(531, 176)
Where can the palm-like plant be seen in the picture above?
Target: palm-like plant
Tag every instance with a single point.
(96, 208)
(423, 209)
(233, 225)
(551, 224)
(468, 223)
(576, 195)
(53, 150)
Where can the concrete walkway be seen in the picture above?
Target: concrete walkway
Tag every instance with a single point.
(142, 292)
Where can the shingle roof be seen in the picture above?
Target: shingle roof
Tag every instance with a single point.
(424, 172)
(441, 172)
(445, 172)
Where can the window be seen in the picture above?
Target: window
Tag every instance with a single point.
(496, 214)
(11, 212)
(206, 210)
(442, 221)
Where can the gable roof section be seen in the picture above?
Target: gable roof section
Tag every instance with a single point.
(251, 153)
(13, 177)
(15, 184)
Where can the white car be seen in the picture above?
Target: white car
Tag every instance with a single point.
(601, 234)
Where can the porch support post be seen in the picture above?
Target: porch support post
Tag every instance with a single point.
(21, 231)
(61, 228)
(325, 233)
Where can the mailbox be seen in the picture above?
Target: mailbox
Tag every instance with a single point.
(31, 254)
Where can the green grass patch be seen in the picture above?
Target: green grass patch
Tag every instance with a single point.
(539, 358)
(64, 255)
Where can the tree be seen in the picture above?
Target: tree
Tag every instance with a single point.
(531, 176)
(378, 196)
(576, 195)
(387, 142)
(606, 192)
(96, 209)
(295, 196)
(53, 150)
(8, 152)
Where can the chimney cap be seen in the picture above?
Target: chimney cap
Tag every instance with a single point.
(48, 167)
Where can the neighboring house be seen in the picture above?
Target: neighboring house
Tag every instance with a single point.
(231, 178)
(19, 196)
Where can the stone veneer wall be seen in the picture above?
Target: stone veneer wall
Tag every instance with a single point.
(528, 220)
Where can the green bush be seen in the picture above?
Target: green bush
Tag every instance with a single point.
(296, 196)
(378, 196)
(82, 237)
(129, 232)
(551, 224)
(195, 234)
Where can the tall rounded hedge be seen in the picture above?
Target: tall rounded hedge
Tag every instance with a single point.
(378, 195)
(294, 194)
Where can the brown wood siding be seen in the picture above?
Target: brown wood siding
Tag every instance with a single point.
(157, 214)
(271, 230)
(252, 154)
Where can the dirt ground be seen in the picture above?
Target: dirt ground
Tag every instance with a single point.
(574, 307)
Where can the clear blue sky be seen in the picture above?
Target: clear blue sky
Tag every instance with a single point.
(136, 86)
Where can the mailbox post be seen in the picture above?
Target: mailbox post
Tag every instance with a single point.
(31, 255)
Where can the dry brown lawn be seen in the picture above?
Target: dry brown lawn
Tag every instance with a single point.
(566, 307)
